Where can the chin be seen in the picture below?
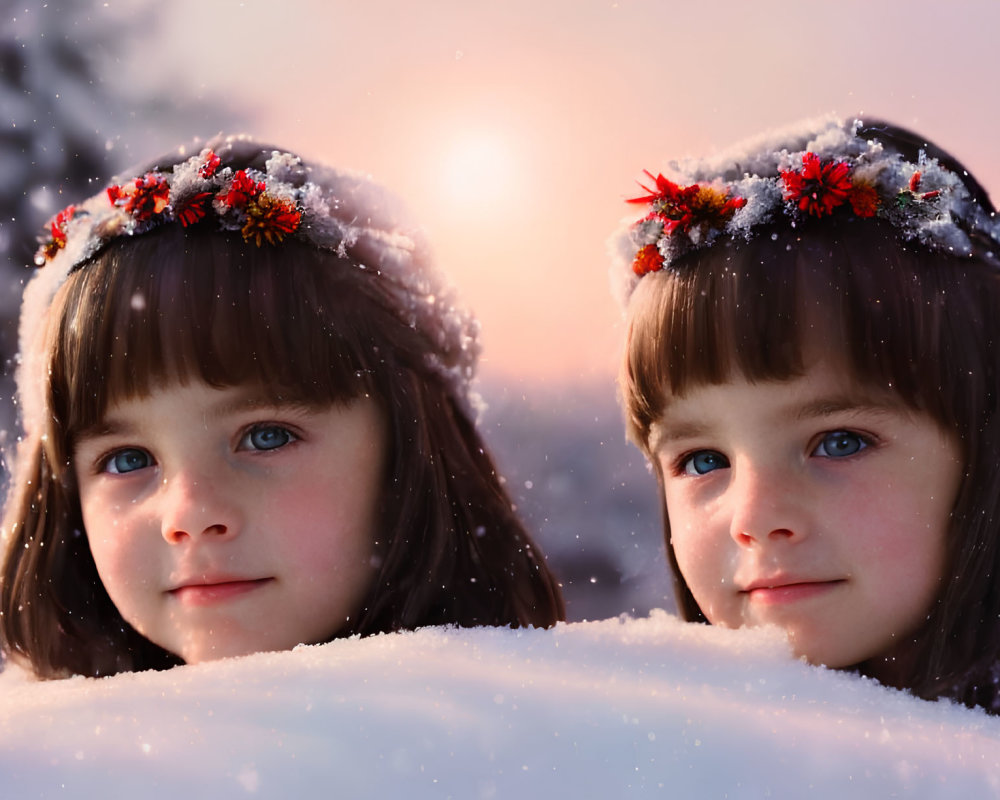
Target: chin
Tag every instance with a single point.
(216, 651)
(820, 654)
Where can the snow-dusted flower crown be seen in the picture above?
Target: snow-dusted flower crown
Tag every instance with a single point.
(264, 206)
(818, 169)
(276, 199)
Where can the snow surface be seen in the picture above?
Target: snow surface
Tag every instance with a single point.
(613, 709)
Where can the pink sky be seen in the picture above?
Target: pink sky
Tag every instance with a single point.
(515, 129)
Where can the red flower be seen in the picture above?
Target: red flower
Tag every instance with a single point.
(143, 199)
(212, 162)
(647, 260)
(687, 207)
(116, 193)
(59, 223)
(670, 202)
(818, 187)
(915, 186)
(57, 232)
(670, 226)
(269, 219)
(192, 209)
(242, 190)
(864, 199)
(664, 189)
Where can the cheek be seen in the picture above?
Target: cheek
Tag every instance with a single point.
(109, 538)
(125, 565)
(122, 535)
(906, 529)
(332, 529)
(704, 551)
(695, 548)
(333, 514)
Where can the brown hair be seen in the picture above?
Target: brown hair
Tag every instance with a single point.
(920, 323)
(196, 304)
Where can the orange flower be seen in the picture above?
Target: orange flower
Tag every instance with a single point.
(647, 260)
(864, 199)
(710, 208)
(270, 220)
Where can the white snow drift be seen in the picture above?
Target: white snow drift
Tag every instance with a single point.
(615, 709)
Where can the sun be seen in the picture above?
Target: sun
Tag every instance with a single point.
(479, 173)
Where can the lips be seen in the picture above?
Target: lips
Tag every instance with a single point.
(778, 581)
(212, 590)
(786, 589)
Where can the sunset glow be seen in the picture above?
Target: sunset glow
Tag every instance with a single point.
(514, 131)
(479, 175)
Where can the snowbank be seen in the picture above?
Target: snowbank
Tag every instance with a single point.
(612, 709)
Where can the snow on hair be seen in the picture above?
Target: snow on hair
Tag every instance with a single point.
(332, 209)
(816, 167)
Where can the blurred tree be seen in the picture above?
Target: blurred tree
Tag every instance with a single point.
(67, 124)
(54, 148)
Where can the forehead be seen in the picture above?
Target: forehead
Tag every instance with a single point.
(767, 308)
(825, 387)
(212, 310)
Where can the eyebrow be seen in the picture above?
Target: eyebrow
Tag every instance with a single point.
(248, 399)
(245, 399)
(682, 429)
(673, 432)
(825, 406)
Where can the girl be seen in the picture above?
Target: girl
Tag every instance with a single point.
(248, 425)
(811, 368)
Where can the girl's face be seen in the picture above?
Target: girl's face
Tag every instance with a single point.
(222, 524)
(812, 504)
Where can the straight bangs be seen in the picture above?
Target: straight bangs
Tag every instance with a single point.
(898, 318)
(178, 306)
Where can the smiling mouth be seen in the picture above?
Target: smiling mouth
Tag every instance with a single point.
(206, 594)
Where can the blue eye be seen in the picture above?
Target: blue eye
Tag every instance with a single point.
(127, 460)
(703, 461)
(266, 437)
(840, 444)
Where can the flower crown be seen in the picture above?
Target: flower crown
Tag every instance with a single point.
(276, 198)
(817, 170)
(264, 206)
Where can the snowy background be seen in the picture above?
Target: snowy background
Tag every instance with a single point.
(514, 130)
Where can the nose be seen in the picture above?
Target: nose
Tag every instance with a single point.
(195, 506)
(768, 505)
